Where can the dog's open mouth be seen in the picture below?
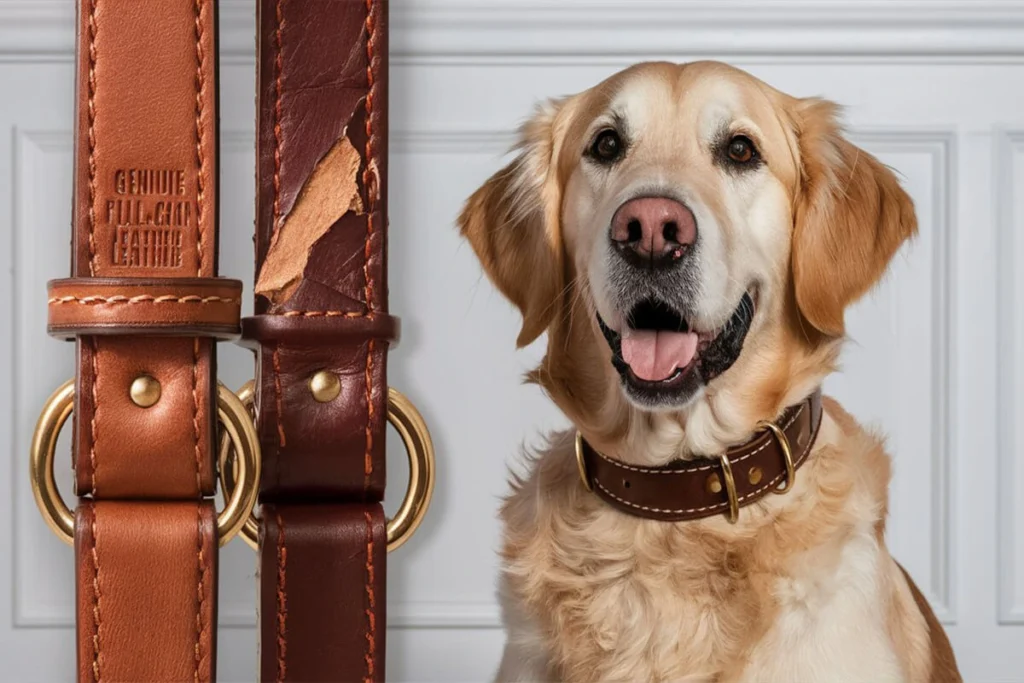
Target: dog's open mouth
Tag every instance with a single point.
(663, 359)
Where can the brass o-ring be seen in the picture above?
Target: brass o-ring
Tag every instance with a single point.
(411, 427)
(238, 426)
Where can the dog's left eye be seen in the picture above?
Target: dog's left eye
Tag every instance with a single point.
(741, 150)
(607, 146)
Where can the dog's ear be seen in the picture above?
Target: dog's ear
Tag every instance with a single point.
(851, 215)
(513, 222)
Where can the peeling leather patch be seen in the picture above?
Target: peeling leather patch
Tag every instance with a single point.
(329, 193)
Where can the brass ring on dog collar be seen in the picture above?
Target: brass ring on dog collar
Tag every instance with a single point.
(232, 414)
(787, 453)
(581, 464)
(730, 488)
(402, 414)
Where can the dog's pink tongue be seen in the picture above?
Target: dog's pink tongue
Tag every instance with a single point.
(655, 355)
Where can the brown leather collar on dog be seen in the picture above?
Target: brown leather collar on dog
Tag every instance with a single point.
(708, 486)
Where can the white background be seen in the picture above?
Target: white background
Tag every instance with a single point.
(934, 88)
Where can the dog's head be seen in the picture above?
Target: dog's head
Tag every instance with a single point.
(685, 232)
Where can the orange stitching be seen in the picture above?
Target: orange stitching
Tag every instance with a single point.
(200, 191)
(370, 186)
(96, 597)
(92, 418)
(199, 493)
(92, 136)
(369, 179)
(324, 314)
(200, 182)
(282, 606)
(278, 399)
(195, 414)
(278, 69)
(141, 299)
(199, 605)
(371, 617)
(368, 458)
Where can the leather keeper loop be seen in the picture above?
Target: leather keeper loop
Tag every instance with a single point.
(186, 307)
(319, 328)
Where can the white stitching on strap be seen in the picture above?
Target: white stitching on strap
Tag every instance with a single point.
(771, 484)
(658, 510)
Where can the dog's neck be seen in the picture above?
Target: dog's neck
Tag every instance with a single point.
(710, 425)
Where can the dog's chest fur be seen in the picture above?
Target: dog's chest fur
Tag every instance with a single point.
(793, 591)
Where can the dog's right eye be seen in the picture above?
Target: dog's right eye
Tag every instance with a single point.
(607, 146)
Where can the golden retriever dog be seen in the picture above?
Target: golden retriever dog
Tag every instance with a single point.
(743, 216)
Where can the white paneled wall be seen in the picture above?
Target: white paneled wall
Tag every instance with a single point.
(935, 88)
(1008, 146)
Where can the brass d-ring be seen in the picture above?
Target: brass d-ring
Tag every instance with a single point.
(787, 455)
(581, 464)
(730, 488)
(402, 414)
(59, 517)
(227, 466)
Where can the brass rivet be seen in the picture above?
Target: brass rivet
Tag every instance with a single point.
(325, 386)
(145, 391)
(713, 484)
(755, 475)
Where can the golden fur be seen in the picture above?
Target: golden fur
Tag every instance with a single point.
(802, 588)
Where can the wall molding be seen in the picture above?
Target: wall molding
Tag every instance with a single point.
(546, 32)
(462, 141)
(1008, 145)
(27, 146)
(403, 615)
(940, 145)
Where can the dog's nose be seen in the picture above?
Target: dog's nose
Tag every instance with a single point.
(653, 231)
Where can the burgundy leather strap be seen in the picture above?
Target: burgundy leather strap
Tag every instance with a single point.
(322, 592)
(321, 307)
(144, 249)
(699, 488)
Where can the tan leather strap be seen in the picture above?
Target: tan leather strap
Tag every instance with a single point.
(144, 249)
(169, 306)
(321, 310)
(699, 488)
